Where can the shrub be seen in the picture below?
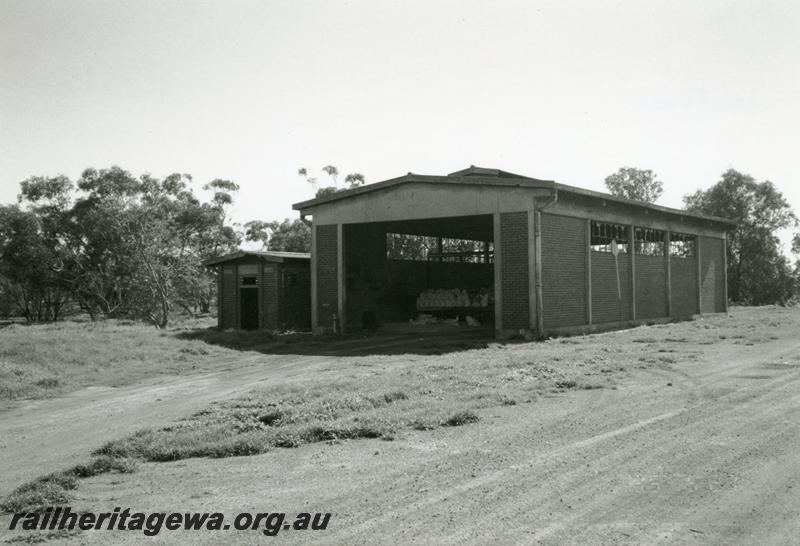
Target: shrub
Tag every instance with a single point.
(461, 418)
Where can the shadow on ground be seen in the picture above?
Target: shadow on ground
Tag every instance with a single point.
(356, 344)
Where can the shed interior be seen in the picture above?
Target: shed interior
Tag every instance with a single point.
(437, 270)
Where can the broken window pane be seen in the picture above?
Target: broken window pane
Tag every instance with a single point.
(649, 242)
(682, 245)
(603, 233)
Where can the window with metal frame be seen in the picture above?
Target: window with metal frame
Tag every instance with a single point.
(603, 233)
(648, 241)
(682, 245)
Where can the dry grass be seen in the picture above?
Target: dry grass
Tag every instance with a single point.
(380, 396)
(432, 391)
(55, 488)
(376, 397)
(46, 360)
(40, 361)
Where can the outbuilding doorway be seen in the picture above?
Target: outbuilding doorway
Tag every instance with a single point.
(248, 302)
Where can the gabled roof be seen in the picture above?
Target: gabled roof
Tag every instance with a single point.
(472, 176)
(481, 176)
(265, 255)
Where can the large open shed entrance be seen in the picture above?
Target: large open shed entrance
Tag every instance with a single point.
(447, 245)
(430, 271)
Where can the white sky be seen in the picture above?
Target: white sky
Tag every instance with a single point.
(253, 90)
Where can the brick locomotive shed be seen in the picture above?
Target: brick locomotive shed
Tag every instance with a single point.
(263, 290)
(544, 252)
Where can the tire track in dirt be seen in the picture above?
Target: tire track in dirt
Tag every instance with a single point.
(606, 507)
(627, 498)
(566, 478)
(676, 419)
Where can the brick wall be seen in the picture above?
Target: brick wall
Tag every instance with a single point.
(563, 271)
(712, 276)
(606, 304)
(514, 270)
(683, 272)
(228, 299)
(270, 297)
(651, 286)
(327, 275)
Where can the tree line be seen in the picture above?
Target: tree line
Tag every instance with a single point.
(114, 245)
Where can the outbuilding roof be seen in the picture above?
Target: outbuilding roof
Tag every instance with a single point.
(265, 255)
(481, 176)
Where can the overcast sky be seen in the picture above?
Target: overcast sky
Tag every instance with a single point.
(253, 90)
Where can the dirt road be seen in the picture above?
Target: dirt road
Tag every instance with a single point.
(47, 435)
(42, 436)
(696, 452)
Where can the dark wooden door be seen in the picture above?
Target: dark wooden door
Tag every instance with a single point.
(248, 302)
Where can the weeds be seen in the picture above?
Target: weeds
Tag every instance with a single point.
(54, 489)
(50, 359)
(48, 383)
(461, 418)
(371, 397)
(421, 395)
(249, 427)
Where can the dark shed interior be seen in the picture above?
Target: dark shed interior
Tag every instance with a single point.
(442, 267)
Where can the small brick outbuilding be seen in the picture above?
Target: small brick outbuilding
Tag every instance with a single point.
(263, 290)
(530, 257)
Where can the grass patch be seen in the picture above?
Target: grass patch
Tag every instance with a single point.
(54, 489)
(377, 402)
(48, 383)
(583, 385)
(377, 396)
(461, 418)
(44, 360)
(251, 426)
(34, 496)
(368, 397)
